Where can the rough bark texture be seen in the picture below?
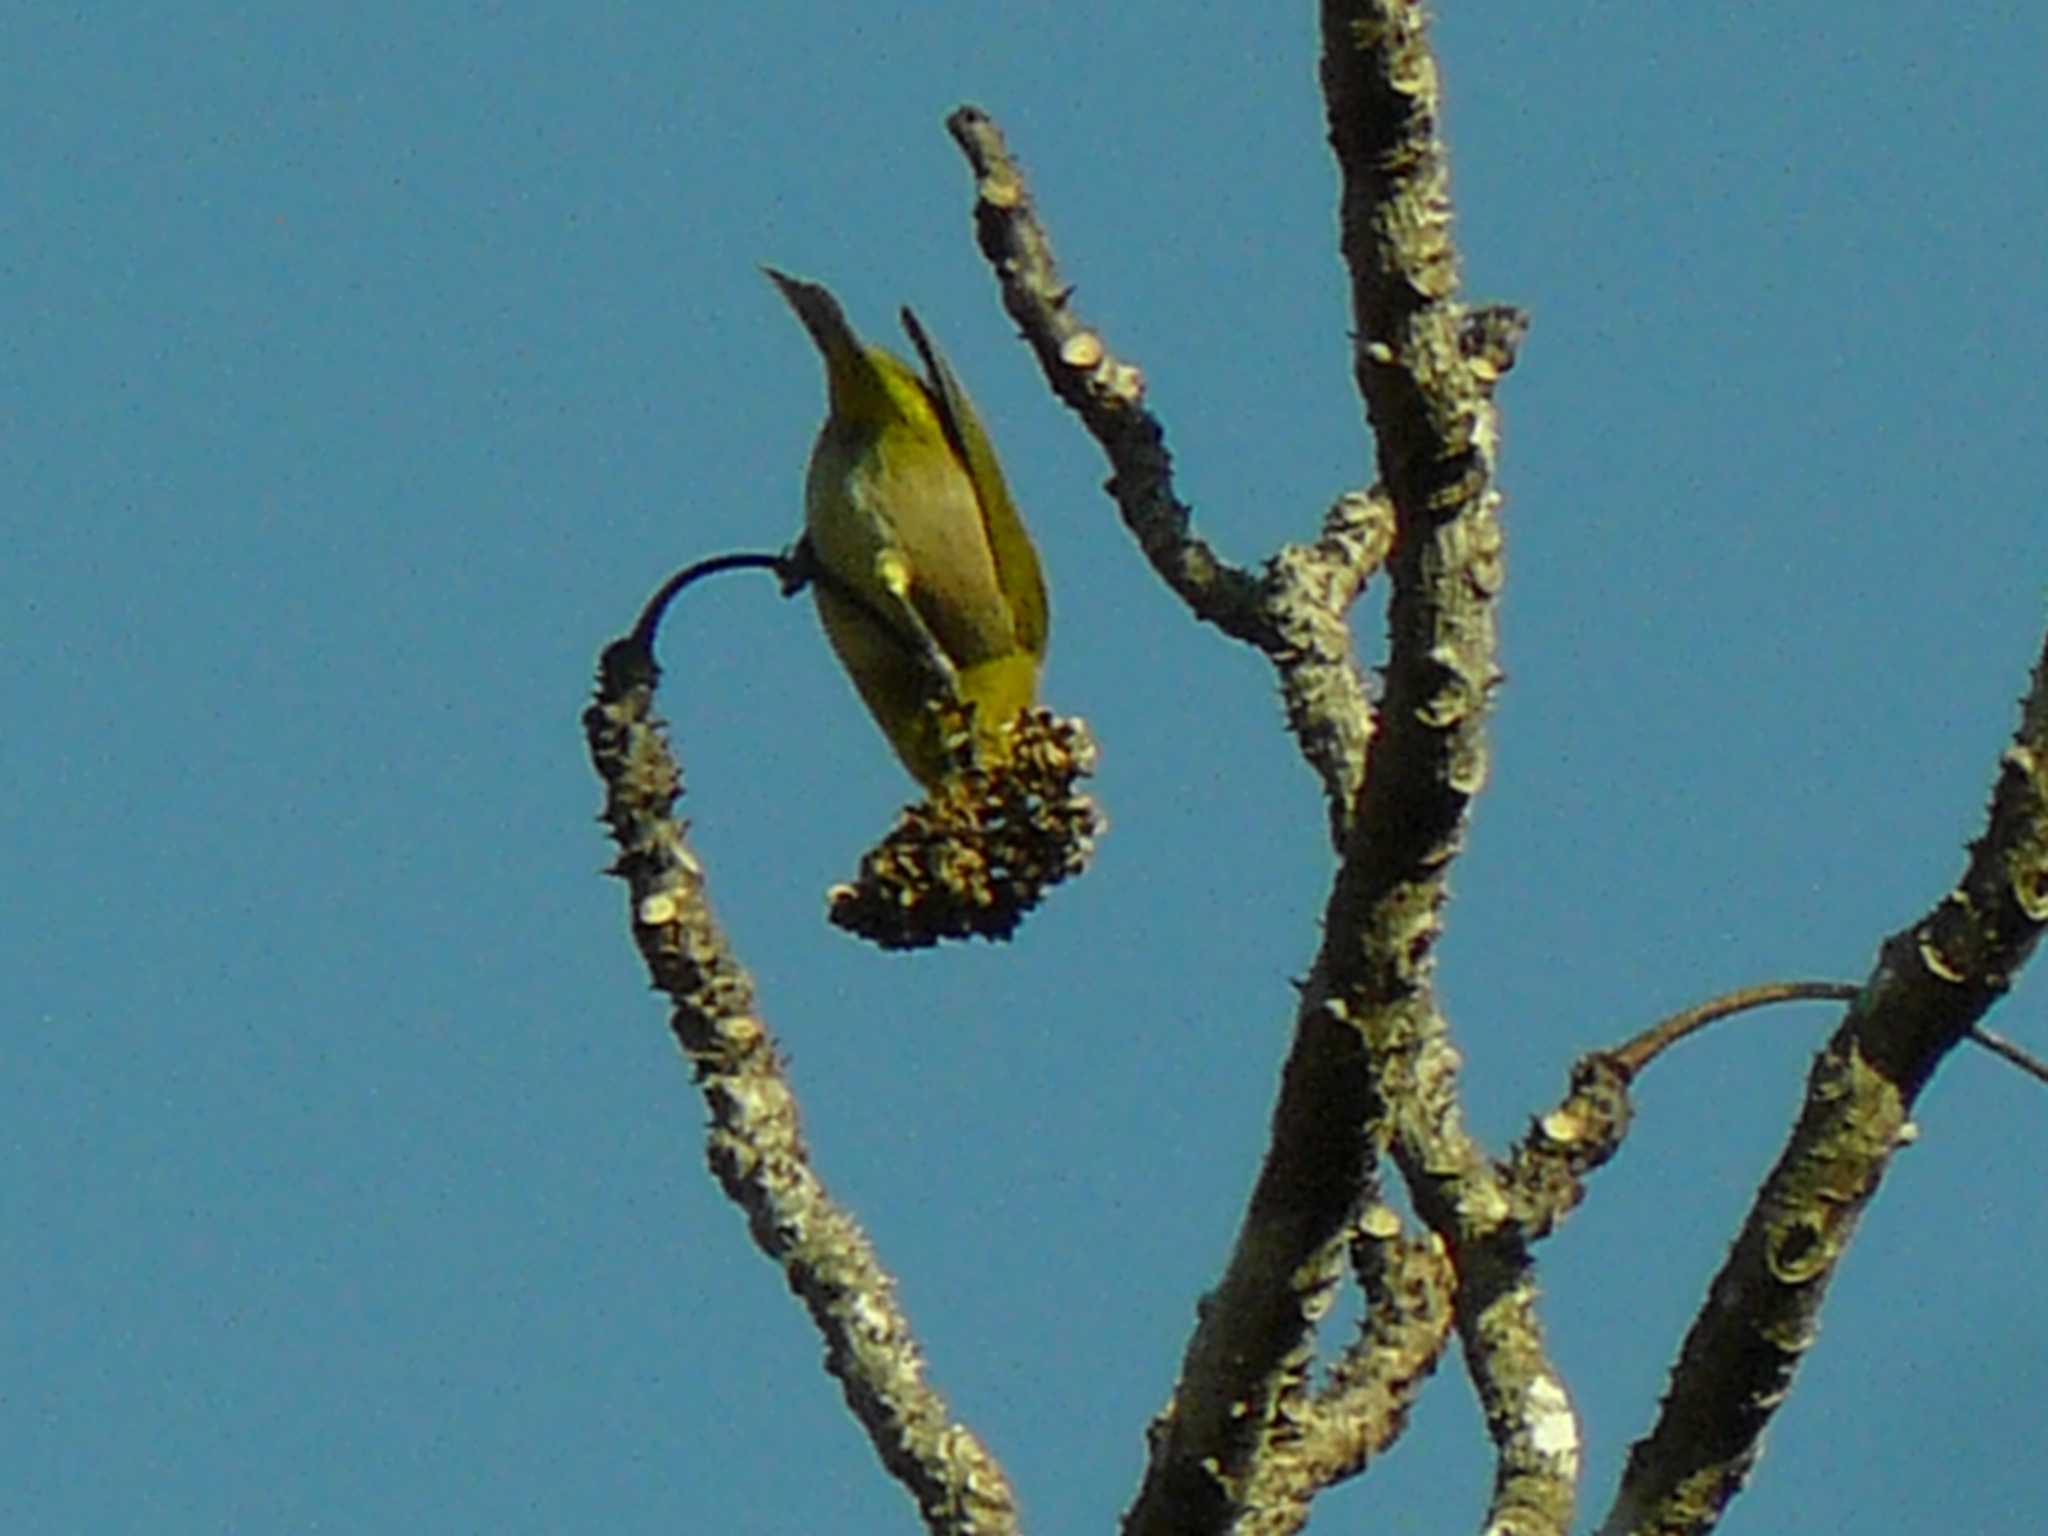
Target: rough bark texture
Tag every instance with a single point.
(1932, 982)
(754, 1143)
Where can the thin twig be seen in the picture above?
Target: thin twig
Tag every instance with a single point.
(1639, 1052)
(784, 565)
(2017, 1054)
(1545, 1173)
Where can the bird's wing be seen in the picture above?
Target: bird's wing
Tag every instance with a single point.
(1016, 562)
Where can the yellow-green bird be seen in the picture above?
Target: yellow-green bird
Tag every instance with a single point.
(926, 582)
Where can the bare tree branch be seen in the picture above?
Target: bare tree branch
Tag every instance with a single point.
(1426, 366)
(1295, 611)
(1636, 1054)
(1545, 1173)
(1369, 1035)
(1103, 390)
(2013, 1052)
(1931, 983)
(1319, 1439)
(1251, 1349)
(1250, 1436)
(755, 1145)
(1309, 590)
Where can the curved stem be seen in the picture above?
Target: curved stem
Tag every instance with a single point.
(784, 565)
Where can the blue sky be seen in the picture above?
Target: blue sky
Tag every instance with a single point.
(362, 368)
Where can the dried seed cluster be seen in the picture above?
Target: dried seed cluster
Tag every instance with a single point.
(983, 849)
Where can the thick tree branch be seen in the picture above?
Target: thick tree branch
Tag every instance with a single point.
(1252, 1346)
(1426, 366)
(1931, 983)
(755, 1145)
(1368, 1034)
(1254, 1341)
